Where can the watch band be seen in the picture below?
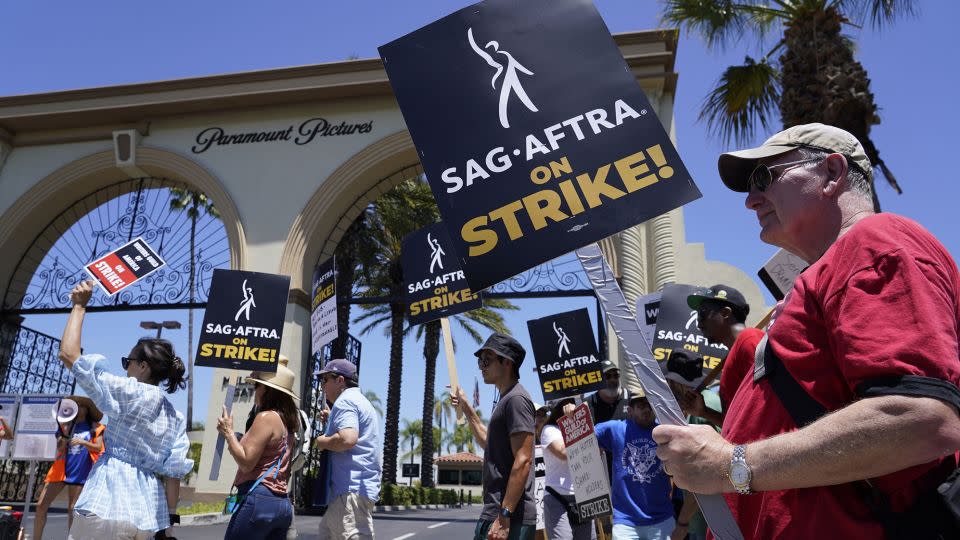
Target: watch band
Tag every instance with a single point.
(739, 459)
(505, 513)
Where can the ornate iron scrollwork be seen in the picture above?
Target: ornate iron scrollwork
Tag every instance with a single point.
(104, 221)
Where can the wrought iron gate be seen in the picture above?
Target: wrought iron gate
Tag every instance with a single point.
(28, 365)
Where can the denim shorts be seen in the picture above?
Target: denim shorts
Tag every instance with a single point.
(263, 515)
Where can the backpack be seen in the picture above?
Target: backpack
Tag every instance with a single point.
(301, 447)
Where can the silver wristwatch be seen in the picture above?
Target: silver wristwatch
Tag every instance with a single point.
(740, 473)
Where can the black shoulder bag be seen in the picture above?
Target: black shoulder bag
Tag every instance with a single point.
(934, 515)
(570, 503)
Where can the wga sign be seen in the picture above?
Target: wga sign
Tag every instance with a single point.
(506, 65)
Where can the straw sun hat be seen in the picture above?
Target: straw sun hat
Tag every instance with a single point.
(282, 380)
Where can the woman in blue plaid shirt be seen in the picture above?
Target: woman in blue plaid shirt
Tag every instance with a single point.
(124, 498)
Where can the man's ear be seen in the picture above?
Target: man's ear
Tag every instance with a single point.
(726, 311)
(836, 179)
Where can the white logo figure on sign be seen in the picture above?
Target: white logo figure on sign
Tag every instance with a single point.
(692, 321)
(436, 252)
(562, 340)
(247, 303)
(510, 83)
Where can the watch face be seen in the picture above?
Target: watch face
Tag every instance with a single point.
(739, 474)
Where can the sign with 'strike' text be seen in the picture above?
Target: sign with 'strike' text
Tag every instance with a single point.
(591, 489)
(565, 351)
(124, 266)
(677, 329)
(434, 282)
(323, 307)
(554, 144)
(243, 323)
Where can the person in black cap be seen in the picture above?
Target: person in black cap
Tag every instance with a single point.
(509, 507)
(609, 403)
(721, 316)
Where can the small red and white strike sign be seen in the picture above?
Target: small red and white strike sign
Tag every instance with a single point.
(124, 266)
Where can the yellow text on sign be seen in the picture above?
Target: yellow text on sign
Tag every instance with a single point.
(610, 182)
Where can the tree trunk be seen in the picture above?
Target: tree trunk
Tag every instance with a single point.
(431, 348)
(390, 438)
(823, 82)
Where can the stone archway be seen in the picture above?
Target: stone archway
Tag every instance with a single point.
(339, 200)
(31, 213)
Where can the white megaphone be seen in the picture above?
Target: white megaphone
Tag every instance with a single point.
(66, 410)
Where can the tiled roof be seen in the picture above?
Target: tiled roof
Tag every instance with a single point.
(462, 457)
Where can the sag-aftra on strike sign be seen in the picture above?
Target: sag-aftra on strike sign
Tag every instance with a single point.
(532, 131)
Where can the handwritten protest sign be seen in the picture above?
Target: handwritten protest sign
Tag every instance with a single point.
(591, 489)
(323, 314)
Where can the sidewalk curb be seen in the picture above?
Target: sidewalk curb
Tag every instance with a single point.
(385, 509)
(204, 519)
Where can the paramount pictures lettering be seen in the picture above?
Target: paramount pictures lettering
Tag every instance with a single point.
(306, 132)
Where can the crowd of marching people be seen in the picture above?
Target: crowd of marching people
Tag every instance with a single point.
(837, 418)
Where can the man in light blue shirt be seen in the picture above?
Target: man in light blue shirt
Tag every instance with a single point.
(353, 439)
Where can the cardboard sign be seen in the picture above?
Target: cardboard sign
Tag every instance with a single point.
(8, 412)
(677, 329)
(243, 324)
(539, 484)
(591, 488)
(35, 437)
(124, 266)
(433, 280)
(779, 273)
(565, 351)
(323, 314)
(648, 307)
(535, 136)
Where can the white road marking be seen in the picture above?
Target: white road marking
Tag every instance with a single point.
(408, 535)
(441, 524)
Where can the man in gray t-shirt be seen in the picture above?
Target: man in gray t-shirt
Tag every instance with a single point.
(509, 508)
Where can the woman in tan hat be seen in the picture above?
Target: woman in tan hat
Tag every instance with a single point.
(76, 454)
(263, 457)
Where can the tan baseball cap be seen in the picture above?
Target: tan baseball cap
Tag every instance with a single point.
(735, 167)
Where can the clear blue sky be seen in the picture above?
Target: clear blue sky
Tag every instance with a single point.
(64, 45)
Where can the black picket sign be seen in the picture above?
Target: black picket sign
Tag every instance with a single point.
(533, 132)
(243, 323)
(434, 283)
(565, 351)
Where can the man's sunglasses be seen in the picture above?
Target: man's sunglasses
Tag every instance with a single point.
(762, 175)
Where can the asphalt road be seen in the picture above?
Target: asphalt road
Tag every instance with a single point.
(448, 524)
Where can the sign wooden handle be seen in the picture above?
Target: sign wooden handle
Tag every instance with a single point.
(221, 441)
(451, 364)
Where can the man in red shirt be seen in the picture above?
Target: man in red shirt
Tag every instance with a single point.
(721, 316)
(869, 334)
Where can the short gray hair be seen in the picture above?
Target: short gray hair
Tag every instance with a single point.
(855, 177)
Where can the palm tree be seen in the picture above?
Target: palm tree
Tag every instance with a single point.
(374, 400)
(484, 316)
(400, 211)
(193, 202)
(441, 438)
(411, 433)
(815, 78)
(354, 254)
(462, 438)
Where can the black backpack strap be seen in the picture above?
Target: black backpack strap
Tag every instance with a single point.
(799, 404)
(805, 410)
